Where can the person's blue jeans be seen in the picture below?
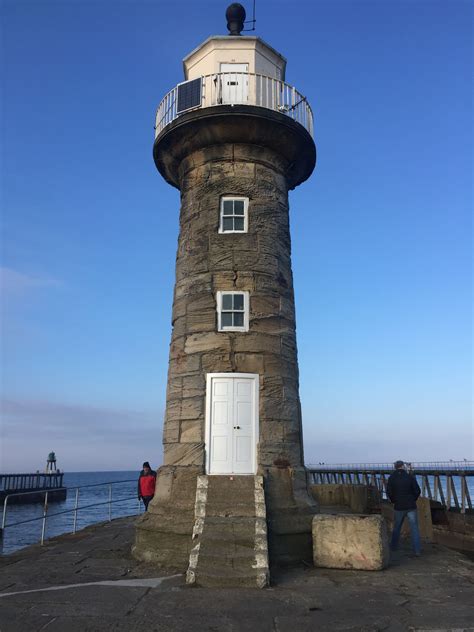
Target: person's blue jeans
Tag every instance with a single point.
(398, 518)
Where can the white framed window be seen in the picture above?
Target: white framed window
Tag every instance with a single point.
(234, 215)
(232, 311)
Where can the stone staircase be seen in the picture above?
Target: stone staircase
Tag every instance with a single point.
(230, 533)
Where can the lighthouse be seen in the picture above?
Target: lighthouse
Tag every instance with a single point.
(232, 496)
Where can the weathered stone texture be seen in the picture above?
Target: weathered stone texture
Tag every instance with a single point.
(259, 262)
(230, 533)
(350, 541)
(163, 534)
(361, 499)
(216, 362)
(183, 454)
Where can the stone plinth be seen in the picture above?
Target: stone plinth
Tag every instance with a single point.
(350, 541)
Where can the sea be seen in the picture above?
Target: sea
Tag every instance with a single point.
(94, 489)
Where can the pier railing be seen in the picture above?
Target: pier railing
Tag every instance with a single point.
(446, 482)
(238, 88)
(40, 480)
(74, 511)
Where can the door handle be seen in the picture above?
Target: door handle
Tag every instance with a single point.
(236, 427)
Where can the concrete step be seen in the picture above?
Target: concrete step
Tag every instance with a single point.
(224, 510)
(222, 546)
(221, 521)
(230, 538)
(237, 531)
(239, 579)
(227, 563)
(233, 484)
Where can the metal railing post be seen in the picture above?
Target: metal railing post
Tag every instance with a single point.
(45, 511)
(75, 511)
(47, 496)
(4, 518)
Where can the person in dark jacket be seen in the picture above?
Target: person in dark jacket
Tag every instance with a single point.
(403, 491)
(146, 484)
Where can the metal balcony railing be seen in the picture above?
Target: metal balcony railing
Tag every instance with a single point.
(240, 89)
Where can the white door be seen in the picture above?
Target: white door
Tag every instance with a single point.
(234, 83)
(231, 423)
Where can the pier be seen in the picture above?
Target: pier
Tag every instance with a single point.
(32, 487)
(90, 581)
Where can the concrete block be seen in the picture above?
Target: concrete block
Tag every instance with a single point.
(350, 541)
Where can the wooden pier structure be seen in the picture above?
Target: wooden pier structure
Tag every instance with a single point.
(32, 487)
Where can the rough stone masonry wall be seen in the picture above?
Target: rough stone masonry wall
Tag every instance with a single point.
(257, 261)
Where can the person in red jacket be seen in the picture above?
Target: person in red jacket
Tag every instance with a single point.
(146, 484)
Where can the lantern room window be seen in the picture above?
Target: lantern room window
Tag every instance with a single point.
(232, 311)
(234, 215)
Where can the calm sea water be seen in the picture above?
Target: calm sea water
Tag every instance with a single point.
(16, 537)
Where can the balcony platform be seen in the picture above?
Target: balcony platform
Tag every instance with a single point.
(236, 124)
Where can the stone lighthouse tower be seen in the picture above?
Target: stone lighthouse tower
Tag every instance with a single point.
(234, 138)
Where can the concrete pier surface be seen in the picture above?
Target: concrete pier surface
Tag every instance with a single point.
(90, 582)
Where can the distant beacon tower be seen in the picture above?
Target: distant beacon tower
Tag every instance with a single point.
(234, 138)
(51, 463)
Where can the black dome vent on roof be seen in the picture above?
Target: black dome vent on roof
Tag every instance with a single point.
(235, 15)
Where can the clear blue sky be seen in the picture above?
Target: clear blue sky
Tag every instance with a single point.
(381, 233)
